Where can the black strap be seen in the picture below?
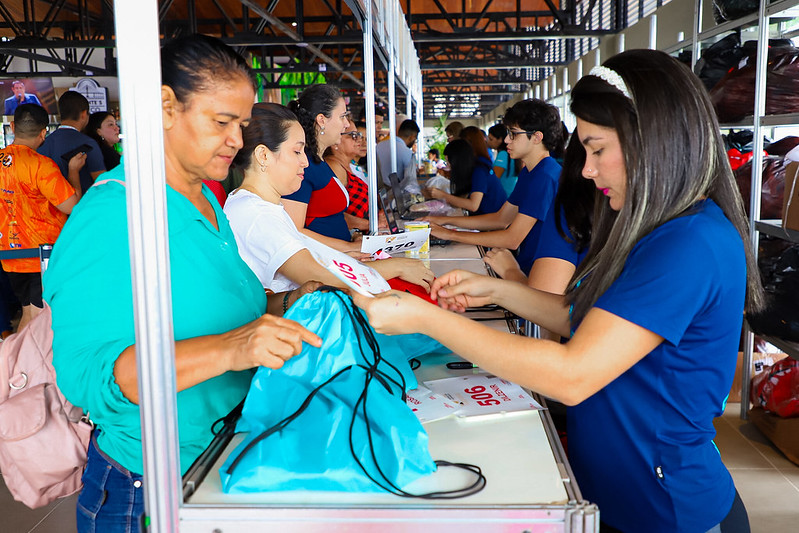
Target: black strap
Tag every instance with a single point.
(389, 383)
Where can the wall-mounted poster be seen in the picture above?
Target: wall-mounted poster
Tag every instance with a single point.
(16, 91)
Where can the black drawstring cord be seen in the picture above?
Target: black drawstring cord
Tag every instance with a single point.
(371, 372)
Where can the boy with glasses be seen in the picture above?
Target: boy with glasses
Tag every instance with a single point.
(534, 129)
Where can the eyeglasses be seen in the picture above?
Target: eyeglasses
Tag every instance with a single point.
(512, 134)
(354, 135)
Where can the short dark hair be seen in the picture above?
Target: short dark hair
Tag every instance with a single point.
(378, 111)
(196, 63)
(29, 120)
(434, 151)
(312, 101)
(536, 115)
(269, 125)
(408, 128)
(71, 105)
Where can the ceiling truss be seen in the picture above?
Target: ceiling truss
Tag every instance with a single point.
(485, 51)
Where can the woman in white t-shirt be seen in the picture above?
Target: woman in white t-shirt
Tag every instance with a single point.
(273, 159)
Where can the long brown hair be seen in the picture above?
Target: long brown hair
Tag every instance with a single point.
(674, 157)
(475, 136)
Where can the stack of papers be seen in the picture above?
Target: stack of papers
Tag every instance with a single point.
(472, 395)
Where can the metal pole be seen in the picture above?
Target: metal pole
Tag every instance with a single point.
(653, 32)
(757, 172)
(392, 110)
(695, 51)
(137, 37)
(369, 94)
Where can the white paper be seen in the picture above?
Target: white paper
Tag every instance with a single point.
(483, 394)
(428, 406)
(357, 276)
(399, 242)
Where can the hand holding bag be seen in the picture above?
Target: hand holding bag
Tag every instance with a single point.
(336, 414)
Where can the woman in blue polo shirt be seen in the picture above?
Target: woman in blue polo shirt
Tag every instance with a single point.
(654, 310)
(317, 208)
(472, 182)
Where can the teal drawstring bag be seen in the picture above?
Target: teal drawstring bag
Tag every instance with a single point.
(334, 418)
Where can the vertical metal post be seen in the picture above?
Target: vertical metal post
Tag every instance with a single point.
(137, 39)
(696, 50)
(392, 108)
(565, 105)
(653, 32)
(757, 173)
(419, 104)
(369, 93)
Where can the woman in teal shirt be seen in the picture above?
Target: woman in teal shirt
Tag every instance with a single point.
(218, 304)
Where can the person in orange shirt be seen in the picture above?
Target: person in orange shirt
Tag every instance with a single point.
(36, 200)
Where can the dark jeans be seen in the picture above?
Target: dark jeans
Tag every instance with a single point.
(112, 499)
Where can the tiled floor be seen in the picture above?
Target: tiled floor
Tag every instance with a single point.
(766, 480)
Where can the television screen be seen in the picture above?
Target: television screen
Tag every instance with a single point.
(29, 91)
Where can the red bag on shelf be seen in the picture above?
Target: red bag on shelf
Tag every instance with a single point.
(737, 159)
(777, 389)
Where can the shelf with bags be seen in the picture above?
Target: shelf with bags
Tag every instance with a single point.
(731, 25)
(775, 229)
(790, 348)
(774, 9)
(780, 7)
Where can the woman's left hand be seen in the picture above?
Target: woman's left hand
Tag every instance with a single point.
(440, 231)
(394, 312)
(502, 261)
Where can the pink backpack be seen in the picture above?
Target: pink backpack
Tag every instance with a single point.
(43, 438)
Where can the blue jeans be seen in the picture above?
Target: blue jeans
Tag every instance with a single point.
(112, 499)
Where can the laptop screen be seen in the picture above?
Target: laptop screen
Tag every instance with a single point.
(399, 196)
(391, 215)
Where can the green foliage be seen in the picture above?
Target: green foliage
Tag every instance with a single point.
(439, 138)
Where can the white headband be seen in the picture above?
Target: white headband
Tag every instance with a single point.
(612, 77)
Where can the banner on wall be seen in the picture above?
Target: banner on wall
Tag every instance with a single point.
(94, 93)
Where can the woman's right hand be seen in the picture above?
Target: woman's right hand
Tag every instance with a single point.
(458, 290)
(267, 341)
(432, 193)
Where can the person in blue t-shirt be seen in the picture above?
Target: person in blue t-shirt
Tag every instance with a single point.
(654, 311)
(472, 184)
(565, 233)
(317, 208)
(534, 128)
(504, 167)
(74, 110)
